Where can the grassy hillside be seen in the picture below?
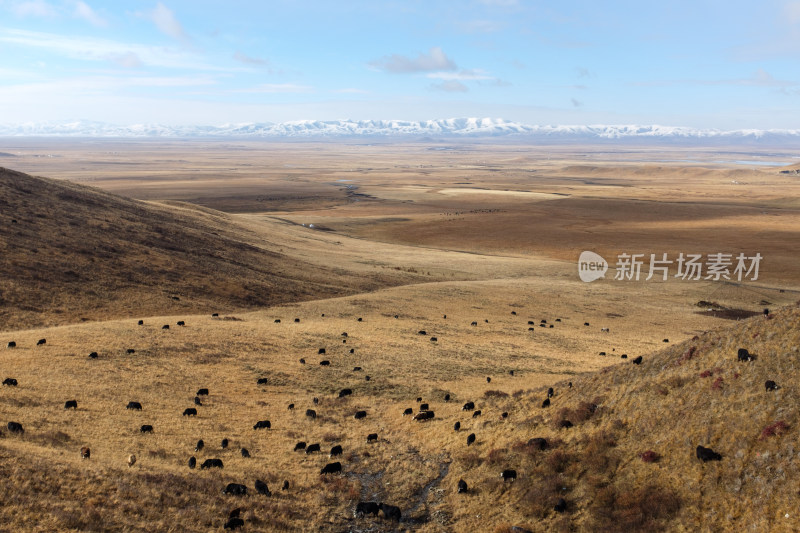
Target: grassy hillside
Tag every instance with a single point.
(70, 252)
(627, 464)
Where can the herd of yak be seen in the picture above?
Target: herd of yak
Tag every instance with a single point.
(387, 511)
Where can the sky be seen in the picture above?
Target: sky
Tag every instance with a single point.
(711, 64)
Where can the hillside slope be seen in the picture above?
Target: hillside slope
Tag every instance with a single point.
(627, 463)
(70, 252)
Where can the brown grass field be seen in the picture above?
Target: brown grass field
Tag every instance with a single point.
(403, 235)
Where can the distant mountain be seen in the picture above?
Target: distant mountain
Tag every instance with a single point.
(439, 128)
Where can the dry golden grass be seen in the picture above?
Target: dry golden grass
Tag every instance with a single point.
(393, 248)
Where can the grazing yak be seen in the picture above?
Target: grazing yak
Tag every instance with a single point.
(637, 360)
(181, 323)
(10, 382)
(41, 342)
(391, 512)
(136, 406)
(224, 443)
(190, 411)
(324, 363)
(424, 415)
(560, 506)
(311, 413)
(285, 485)
(423, 407)
(360, 414)
(462, 486)
(130, 351)
(345, 392)
(197, 401)
(336, 450)
(290, 406)
(508, 475)
(469, 406)
(565, 424)
(300, 445)
(770, 385)
(262, 424)
(707, 454)
(233, 523)
(15, 427)
(165, 326)
(311, 448)
(744, 355)
(470, 439)
(546, 403)
(146, 428)
(331, 468)
(71, 404)
(86, 453)
(236, 489)
(93, 355)
(447, 397)
(261, 381)
(550, 392)
(476, 414)
(202, 392)
(363, 508)
(200, 445)
(538, 442)
(12, 344)
(372, 437)
(211, 463)
(245, 453)
(262, 488)
(457, 426)
(193, 462)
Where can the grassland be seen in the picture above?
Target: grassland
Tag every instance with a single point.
(479, 235)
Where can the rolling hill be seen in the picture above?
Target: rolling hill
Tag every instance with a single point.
(70, 252)
(627, 463)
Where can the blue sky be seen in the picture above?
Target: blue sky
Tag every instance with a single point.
(701, 63)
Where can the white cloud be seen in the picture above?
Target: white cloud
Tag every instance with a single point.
(465, 74)
(248, 60)
(480, 26)
(279, 88)
(792, 10)
(34, 8)
(450, 86)
(351, 90)
(434, 60)
(94, 49)
(126, 60)
(165, 21)
(83, 11)
(760, 78)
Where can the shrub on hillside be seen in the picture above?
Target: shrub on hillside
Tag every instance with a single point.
(776, 429)
(636, 509)
(649, 456)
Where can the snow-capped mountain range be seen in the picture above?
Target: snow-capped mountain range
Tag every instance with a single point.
(440, 128)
